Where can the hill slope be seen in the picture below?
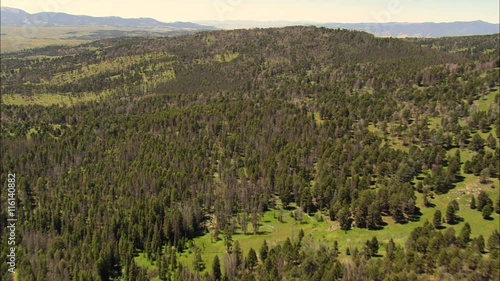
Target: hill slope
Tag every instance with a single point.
(243, 59)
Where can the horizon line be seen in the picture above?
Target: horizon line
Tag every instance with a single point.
(264, 21)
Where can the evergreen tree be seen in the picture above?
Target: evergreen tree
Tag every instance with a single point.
(487, 211)
(344, 220)
(251, 261)
(491, 141)
(473, 203)
(465, 233)
(373, 246)
(301, 235)
(228, 240)
(479, 243)
(390, 250)
(198, 263)
(216, 271)
(425, 197)
(450, 213)
(476, 143)
(306, 201)
(238, 254)
(286, 197)
(484, 176)
(264, 249)
(482, 200)
(374, 217)
(436, 221)
(494, 242)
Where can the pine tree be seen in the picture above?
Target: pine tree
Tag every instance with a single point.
(476, 143)
(344, 220)
(373, 246)
(216, 271)
(264, 249)
(306, 201)
(198, 263)
(465, 233)
(482, 200)
(494, 241)
(251, 261)
(238, 254)
(491, 141)
(450, 214)
(425, 196)
(437, 219)
(484, 176)
(286, 197)
(228, 240)
(487, 211)
(479, 243)
(391, 247)
(473, 203)
(301, 235)
(374, 217)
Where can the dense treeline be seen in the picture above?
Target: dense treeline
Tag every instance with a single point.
(482, 48)
(195, 131)
(427, 253)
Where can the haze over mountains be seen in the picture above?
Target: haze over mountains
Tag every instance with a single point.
(17, 17)
(393, 29)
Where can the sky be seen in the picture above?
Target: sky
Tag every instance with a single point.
(345, 11)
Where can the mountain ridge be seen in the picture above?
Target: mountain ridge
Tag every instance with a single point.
(13, 17)
(18, 17)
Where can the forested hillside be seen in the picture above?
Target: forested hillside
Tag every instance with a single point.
(260, 154)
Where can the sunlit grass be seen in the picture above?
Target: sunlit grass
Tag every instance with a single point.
(48, 99)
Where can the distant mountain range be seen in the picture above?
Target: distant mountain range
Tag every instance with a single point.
(379, 29)
(17, 17)
(428, 29)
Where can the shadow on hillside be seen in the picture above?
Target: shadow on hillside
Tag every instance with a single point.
(416, 215)
(430, 205)
(260, 232)
(379, 227)
(488, 181)
(459, 179)
(456, 221)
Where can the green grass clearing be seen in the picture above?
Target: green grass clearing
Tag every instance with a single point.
(49, 99)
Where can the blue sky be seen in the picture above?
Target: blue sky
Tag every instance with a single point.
(275, 10)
